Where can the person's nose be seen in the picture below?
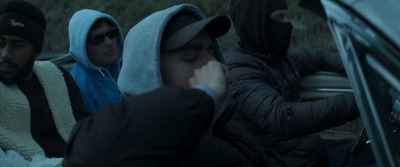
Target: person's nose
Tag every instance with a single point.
(208, 56)
(107, 41)
(205, 57)
(5, 53)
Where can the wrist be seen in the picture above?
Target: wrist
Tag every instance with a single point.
(210, 92)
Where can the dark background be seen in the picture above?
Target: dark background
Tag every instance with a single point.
(310, 31)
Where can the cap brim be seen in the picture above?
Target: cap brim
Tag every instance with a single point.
(215, 27)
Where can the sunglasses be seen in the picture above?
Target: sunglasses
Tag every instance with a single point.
(98, 39)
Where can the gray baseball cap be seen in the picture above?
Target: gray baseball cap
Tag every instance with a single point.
(183, 27)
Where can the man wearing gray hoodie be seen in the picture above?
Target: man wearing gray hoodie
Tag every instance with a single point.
(174, 111)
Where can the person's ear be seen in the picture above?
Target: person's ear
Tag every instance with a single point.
(36, 54)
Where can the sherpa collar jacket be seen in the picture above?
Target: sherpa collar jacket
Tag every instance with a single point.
(15, 111)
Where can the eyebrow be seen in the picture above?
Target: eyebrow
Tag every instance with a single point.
(195, 46)
(198, 46)
(18, 40)
(101, 34)
(15, 40)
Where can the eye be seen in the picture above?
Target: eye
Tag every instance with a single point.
(190, 55)
(112, 33)
(279, 16)
(190, 58)
(98, 39)
(18, 45)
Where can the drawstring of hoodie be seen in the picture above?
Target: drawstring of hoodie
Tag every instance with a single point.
(110, 77)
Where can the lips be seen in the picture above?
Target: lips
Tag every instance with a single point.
(8, 67)
(111, 52)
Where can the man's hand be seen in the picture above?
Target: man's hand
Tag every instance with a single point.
(213, 75)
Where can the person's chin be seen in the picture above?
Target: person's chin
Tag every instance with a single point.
(112, 58)
(7, 78)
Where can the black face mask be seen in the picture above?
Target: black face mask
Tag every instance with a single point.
(279, 33)
(257, 32)
(279, 37)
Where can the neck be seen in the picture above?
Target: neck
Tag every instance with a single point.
(27, 76)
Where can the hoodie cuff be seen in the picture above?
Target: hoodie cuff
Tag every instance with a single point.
(211, 93)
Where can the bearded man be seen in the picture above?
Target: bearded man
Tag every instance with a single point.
(39, 101)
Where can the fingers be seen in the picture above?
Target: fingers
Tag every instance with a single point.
(213, 75)
(226, 73)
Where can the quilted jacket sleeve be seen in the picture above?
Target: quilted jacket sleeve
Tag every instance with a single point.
(152, 129)
(262, 104)
(313, 60)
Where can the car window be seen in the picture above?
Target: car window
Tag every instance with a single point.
(376, 62)
(372, 62)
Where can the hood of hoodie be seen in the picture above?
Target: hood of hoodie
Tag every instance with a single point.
(79, 27)
(257, 32)
(141, 70)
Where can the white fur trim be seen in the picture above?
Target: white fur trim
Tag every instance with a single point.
(15, 113)
(12, 158)
(56, 91)
(15, 122)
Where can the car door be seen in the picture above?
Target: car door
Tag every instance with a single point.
(367, 34)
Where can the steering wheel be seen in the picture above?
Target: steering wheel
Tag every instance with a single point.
(360, 141)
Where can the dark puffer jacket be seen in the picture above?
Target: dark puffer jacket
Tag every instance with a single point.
(269, 104)
(166, 127)
(265, 80)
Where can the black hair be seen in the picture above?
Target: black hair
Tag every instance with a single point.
(26, 9)
(98, 23)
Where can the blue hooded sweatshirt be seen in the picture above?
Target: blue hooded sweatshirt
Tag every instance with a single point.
(98, 85)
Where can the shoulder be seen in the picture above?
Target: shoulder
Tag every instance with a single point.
(237, 57)
(67, 76)
(77, 70)
(78, 73)
(235, 54)
(47, 69)
(63, 70)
